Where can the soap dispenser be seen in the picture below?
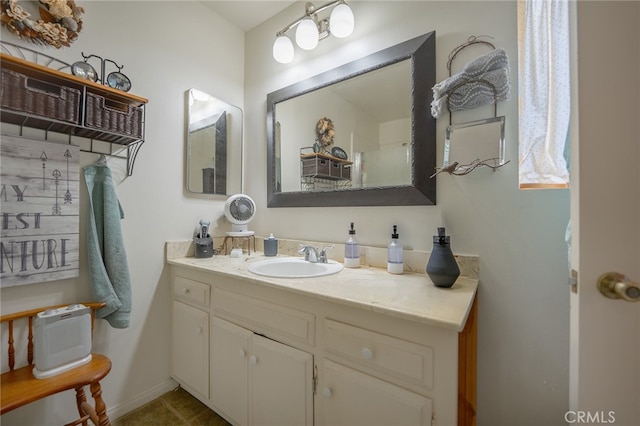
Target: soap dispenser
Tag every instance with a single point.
(271, 246)
(442, 267)
(352, 250)
(395, 255)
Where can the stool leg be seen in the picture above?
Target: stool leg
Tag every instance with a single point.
(81, 399)
(101, 408)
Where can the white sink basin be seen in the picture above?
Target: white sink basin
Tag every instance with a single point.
(293, 267)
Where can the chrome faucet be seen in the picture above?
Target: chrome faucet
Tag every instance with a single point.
(311, 254)
(322, 257)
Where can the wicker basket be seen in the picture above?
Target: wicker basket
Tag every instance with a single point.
(112, 116)
(316, 166)
(29, 95)
(325, 168)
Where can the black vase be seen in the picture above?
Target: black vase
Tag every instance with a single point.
(442, 267)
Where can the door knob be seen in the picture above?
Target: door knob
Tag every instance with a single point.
(617, 286)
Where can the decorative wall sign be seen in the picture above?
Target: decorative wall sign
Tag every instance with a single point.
(39, 211)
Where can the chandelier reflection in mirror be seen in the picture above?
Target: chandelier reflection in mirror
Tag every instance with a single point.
(310, 29)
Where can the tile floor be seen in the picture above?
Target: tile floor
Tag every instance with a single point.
(174, 408)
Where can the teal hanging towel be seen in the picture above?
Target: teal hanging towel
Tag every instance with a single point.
(110, 280)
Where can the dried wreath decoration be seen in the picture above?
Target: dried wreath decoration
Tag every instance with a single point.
(59, 24)
(325, 131)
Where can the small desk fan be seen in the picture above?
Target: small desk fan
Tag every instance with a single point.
(239, 209)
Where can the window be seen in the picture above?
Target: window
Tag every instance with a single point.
(544, 92)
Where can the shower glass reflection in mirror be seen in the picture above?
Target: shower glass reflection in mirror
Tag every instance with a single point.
(214, 145)
(371, 114)
(476, 141)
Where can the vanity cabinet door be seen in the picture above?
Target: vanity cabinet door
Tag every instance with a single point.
(258, 381)
(352, 398)
(230, 346)
(190, 351)
(281, 383)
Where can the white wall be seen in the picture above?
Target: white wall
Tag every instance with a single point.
(519, 235)
(166, 48)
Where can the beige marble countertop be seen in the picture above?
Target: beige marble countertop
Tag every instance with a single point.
(410, 296)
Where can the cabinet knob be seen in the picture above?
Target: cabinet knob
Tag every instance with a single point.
(253, 360)
(185, 291)
(199, 330)
(242, 353)
(326, 392)
(367, 353)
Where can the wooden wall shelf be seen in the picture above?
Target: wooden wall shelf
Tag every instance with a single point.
(104, 114)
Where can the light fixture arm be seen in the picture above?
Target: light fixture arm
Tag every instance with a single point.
(310, 12)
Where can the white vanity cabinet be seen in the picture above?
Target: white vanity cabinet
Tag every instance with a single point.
(256, 380)
(288, 353)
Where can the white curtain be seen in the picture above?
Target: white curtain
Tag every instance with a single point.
(544, 92)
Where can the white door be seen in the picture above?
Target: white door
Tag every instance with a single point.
(352, 398)
(230, 346)
(190, 354)
(605, 204)
(281, 384)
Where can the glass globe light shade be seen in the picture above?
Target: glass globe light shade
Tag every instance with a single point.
(341, 21)
(283, 50)
(307, 34)
(199, 95)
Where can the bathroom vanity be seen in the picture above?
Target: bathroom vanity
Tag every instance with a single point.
(361, 347)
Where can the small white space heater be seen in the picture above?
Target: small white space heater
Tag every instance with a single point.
(62, 340)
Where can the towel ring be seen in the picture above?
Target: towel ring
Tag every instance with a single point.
(452, 55)
(470, 41)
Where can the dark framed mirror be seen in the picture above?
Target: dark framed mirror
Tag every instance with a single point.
(358, 135)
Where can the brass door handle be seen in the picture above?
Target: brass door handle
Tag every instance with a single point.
(617, 286)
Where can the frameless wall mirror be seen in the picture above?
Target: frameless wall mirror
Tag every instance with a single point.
(358, 135)
(214, 145)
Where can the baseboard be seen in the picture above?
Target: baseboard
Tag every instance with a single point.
(139, 400)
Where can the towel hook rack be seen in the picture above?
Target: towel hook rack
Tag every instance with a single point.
(470, 41)
(455, 168)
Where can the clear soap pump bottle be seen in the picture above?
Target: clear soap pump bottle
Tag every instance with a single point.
(395, 255)
(352, 250)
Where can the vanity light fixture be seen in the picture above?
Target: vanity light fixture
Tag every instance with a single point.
(310, 29)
